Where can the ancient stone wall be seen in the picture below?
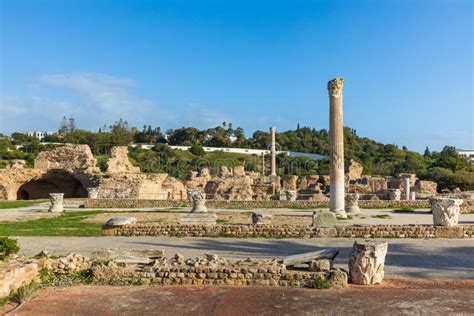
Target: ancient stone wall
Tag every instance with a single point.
(141, 187)
(136, 203)
(15, 273)
(296, 231)
(68, 157)
(119, 162)
(208, 270)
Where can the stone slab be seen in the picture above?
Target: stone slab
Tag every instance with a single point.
(122, 255)
(197, 219)
(307, 257)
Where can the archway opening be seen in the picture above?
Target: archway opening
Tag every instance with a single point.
(55, 181)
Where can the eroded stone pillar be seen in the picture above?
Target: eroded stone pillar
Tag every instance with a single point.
(263, 164)
(446, 211)
(406, 187)
(56, 202)
(273, 150)
(291, 195)
(352, 203)
(336, 148)
(198, 199)
(394, 194)
(366, 262)
(92, 193)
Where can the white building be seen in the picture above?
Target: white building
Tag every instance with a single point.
(469, 154)
(39, 134)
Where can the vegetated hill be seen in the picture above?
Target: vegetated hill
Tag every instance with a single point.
(444, 167)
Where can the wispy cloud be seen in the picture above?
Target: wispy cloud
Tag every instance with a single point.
(92, 98)
(101, 93)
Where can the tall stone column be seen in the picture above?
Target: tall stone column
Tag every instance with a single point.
(336, 148)
(273, 150)
(263, 164)
(406, 187)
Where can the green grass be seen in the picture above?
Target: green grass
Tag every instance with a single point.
(404, 210)
(4, 301)
(67, 224)
(221, 221)
(16, 204)
(349, 217)
(381, 216)
(321, 284)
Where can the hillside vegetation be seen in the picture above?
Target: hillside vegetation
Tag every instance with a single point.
(445, 167)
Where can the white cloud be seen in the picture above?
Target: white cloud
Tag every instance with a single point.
(33, 112)
(100, 93)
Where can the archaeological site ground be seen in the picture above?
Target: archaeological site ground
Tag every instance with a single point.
(263, 157)
(84, 239)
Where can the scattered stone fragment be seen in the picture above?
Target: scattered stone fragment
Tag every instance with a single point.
(261, 218)
(121, 221)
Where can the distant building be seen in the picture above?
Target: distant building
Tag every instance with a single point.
(469, 154)
(40, 135)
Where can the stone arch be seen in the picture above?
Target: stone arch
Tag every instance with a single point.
(53, 181)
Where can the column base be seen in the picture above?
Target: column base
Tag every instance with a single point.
(341, 213)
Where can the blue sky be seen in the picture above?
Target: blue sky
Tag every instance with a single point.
(408, 65)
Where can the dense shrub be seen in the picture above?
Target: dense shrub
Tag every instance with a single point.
(8, 246)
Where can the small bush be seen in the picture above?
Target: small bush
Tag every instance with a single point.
(7, 247)
(197, 150)
(321, 284)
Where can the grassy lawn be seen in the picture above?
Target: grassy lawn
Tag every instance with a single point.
(16, 204)
(67, 224)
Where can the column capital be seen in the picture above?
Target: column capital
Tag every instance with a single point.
(335, 86)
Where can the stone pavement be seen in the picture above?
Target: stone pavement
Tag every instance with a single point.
(406, 258)
(420, 216)
(432, 299)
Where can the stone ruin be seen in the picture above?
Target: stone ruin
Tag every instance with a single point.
(233, 184)
(72, 170)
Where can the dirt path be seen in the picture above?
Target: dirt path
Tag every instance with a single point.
(395, 297)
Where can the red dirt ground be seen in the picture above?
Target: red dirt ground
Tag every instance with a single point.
(393, 297)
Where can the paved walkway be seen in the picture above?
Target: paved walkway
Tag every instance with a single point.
(211, 300)
(367, 216)
(406, 258)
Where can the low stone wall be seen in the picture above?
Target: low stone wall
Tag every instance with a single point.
(138, 203)
(297, 231)
(16, 273)
(212, 270)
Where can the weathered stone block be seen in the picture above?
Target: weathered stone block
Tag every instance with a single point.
(261, 218)
(366, 262)
(198, 198)
(352, 203)
(56, 202)
(197, 219)
(446, 211)
(320, 265)
(324, 219)
(121, 221)
(337, 278)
